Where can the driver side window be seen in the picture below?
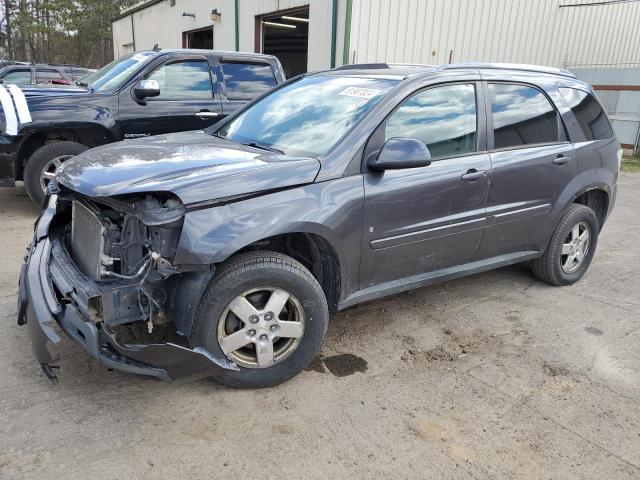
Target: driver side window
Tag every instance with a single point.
(183, 80)
(443, 118)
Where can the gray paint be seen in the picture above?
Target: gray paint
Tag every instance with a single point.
(388, 228)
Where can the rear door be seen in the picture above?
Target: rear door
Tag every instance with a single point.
(532, 162)
(186, 100)
(241, 81)
(418, 220)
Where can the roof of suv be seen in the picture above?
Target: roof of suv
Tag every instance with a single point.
(402, 71)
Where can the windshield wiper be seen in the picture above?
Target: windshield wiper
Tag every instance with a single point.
(264, 147)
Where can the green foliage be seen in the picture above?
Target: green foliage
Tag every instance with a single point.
(59, 31)
(630, 163)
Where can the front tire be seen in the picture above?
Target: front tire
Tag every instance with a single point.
(43, 164)
(571, 248)
(265, 312)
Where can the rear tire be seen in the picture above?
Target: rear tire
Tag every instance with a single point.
(42, 165)
(571, 248)
(265, 312)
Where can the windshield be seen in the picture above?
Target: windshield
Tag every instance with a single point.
(115, 73)
(307, 117)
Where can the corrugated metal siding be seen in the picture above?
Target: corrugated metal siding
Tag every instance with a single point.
(521, 31)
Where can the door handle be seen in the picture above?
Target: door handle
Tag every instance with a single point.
(207, 114)
(561, 160)
(473, 175)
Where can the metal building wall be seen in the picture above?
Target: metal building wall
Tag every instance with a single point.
(521, 31)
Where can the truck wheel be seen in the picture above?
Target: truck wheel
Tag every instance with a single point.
(43, 164)
(266, 313)
(570, 249)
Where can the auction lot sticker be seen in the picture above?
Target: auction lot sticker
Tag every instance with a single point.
(360, 92)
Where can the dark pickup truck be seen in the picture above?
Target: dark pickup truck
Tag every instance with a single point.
(144, 93)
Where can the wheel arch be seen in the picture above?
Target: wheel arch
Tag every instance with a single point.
(90, 135)
(311, 249)
(597, 198)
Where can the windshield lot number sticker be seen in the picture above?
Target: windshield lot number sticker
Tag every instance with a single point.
(360, 92)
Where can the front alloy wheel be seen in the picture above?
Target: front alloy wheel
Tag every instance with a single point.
(261, 327)
(266, 313)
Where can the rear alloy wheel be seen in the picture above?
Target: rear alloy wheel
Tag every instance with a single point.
(570, 249)
(266, 313)
(44, 164)
(575, 247)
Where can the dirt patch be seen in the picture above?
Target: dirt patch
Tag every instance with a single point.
(594, 331)
(555, 370)
(429, 431)
(453, 347)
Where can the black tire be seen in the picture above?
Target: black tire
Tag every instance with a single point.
(256, 270)
(39, 160)
(548, 267)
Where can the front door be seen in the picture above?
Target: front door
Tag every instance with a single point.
(532, 164)
(186, 100)
(419, 220)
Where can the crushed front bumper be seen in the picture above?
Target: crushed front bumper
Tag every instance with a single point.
(39, 309)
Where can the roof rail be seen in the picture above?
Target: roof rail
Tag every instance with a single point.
(380, 66)
(511, 66)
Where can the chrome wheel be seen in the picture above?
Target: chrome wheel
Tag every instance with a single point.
(261, 327)
(575, 247)
(50, 170)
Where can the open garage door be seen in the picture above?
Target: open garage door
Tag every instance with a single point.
(200, 38)
(285, 34)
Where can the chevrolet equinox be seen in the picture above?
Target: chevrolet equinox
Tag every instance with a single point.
(220, 252)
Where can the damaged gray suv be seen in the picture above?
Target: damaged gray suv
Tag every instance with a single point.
(221, 253)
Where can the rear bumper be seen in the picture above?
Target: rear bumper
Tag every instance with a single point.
(39, 309)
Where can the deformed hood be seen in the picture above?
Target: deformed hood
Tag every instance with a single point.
(195, 166)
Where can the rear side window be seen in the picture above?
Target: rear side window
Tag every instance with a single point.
(47, 76)
(19, 77)
(443, 118)
(522, 115)
(246, 80)
(591, 118)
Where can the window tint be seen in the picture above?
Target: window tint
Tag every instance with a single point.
(247, 80)
(47, 76)
(19, 77)
(186, 80)
(591, 118)
(521, 116)
(443, 118)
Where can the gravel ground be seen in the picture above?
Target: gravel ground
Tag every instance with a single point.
(492, 376)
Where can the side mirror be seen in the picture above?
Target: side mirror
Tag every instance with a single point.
(145, 89)
(400, 153)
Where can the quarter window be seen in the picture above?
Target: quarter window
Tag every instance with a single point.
(522, 115)
(443, 118)
(247, 80)
(591, 118)
(183, 80)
